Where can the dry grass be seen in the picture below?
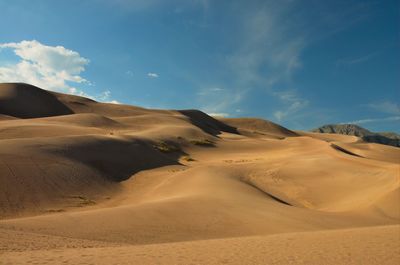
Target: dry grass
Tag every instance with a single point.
(202, 142)
(188, 159)
(166, 147)
(82, 200)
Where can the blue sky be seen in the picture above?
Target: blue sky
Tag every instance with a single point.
(298, 63)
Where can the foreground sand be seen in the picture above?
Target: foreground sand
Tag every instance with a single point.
(88, 183)
(378, 245)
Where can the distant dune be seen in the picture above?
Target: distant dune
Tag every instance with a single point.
(259, 126)
(97, 183)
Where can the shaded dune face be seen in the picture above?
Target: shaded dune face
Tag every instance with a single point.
(207, 123)
(106, 175)
(117, 159)
(259, 126)
(26, 101)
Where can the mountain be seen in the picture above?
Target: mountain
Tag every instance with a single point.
(387, 138)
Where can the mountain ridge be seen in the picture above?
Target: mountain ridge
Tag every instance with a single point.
(386, 138)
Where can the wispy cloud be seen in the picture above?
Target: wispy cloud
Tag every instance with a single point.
(217, 100)
(152, 75)
(266, 54)
(50, 67)
(209, 91)
(105, 96)
(269, 40)
(374, 120)
(385, 107)
(143, 5)
(293, 103)
(356, 60)
(132, 5)
(270, 47)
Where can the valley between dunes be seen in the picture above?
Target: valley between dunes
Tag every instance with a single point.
(83, 182)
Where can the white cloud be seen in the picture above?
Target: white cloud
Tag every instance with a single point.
(218, 114)
(105, 96)
(49, 67)
(152, 75)
(362, 121)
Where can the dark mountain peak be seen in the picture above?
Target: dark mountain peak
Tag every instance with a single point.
(368, 136)
(348, 129)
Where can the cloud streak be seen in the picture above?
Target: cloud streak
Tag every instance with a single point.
(385, 107)
(363, 121)
(216, 101)
(270, 47)
(140, 5)
(294, 104)
(361, 59)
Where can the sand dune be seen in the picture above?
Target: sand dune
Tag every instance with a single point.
(89, 182)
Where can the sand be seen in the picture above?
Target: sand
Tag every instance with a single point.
(83, 182)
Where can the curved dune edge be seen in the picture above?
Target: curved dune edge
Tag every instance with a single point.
(373, 245)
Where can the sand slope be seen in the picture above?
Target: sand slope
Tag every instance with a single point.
(88, 182)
